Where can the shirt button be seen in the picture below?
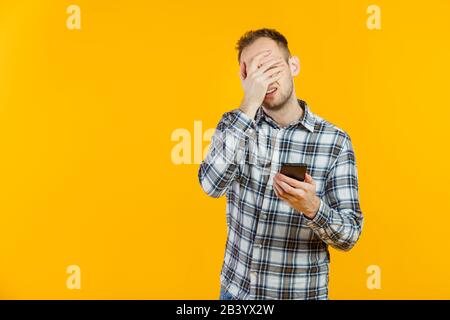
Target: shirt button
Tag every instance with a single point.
(264, 216)
(259, 245)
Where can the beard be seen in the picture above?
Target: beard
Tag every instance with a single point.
(279, 100)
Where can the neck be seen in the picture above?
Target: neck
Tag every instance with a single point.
(289, 112)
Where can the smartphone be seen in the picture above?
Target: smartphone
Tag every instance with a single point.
(294, 170)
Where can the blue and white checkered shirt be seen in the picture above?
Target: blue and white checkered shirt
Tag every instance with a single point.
(272, 250)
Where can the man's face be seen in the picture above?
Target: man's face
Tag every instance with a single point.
(285, 84)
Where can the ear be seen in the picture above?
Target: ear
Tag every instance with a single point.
(294, 65)
(242, 71)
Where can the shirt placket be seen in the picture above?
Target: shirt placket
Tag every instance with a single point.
(258, 246)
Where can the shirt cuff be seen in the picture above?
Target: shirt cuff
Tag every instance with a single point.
(322, 217)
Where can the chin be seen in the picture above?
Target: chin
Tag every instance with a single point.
(273, 104)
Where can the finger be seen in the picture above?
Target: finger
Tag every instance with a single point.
(266, 59)
(275, 189)
(287, 188)
(269, 64)
(274, 71)
(278, 191)
(293, 182)
(269, 74)
(274, 78)
(283, 194)
(269, 68)
(253, 64)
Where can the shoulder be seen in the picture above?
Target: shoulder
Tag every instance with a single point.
(234, 119)
(331, 133)
(227, 118)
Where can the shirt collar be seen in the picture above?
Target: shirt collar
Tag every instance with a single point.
(307, 120)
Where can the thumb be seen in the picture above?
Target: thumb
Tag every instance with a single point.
(309, 179)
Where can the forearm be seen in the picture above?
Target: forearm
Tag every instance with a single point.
(228, 145)
(339, 219)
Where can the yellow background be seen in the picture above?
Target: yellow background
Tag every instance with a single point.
(86, 117)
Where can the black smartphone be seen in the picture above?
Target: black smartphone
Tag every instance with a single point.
(294, 170)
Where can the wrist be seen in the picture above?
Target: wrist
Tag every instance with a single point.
(316, 206)
(249, 109)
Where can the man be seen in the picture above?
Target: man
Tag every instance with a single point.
(279, 228)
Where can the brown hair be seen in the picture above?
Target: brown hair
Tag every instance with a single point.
(250, 36)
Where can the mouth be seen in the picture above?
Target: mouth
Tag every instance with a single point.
(271, 92)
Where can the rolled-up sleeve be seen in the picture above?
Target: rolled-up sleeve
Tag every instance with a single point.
(339, 219)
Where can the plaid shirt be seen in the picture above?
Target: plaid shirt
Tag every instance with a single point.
(272, 250)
